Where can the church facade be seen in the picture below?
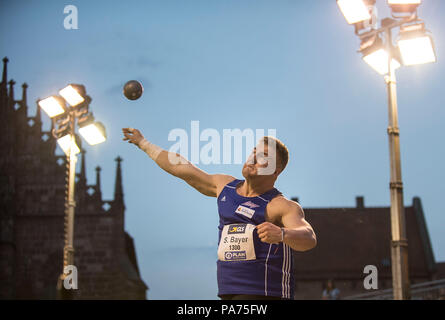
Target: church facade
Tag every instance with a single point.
(32, 203)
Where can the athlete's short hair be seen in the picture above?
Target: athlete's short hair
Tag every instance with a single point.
(281, 150)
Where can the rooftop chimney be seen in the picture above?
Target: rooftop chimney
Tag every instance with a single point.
(360, 202)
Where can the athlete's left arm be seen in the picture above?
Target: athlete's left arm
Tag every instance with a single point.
(298, 233)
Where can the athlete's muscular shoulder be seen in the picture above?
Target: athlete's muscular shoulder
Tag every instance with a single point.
(220, 180)
(281, 206)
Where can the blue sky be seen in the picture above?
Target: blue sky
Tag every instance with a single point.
(289, 65)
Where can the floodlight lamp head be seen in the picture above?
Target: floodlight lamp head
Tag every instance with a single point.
(74, 94)
(416, 46)
(53, 106)
(376, 55)
(93, 132)
(354, 11)
(401, 8)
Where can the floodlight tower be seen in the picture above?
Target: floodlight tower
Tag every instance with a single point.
(71, 107)
(414, 46)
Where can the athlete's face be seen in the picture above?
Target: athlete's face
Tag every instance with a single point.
(260, 162)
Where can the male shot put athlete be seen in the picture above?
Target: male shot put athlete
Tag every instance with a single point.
(258, 227)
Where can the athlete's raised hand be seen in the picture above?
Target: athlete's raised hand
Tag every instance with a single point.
(132, 136)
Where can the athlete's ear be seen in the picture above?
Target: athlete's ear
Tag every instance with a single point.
(277, 172)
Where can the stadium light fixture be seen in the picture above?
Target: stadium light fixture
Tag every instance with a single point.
(94, 133)
(64, 131)
(65, 143)
(404, 6)
(73, 94)
(416, 46)
(354, 11)
(52, 106)
(376, 55)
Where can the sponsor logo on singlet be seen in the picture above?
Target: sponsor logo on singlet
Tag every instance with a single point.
(237, 228)
(235, 255)
(247, 212)
(250, 204)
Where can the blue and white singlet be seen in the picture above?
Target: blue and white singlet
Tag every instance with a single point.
(245, 264)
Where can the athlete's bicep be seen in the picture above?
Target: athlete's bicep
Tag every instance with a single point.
(198, 179)
(292, 216)
(205, 183)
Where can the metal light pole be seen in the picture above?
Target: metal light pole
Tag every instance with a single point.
(399, 242)
(64, 112)
(385, 58)
(70, 205)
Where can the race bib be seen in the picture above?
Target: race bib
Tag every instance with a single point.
(237, 243)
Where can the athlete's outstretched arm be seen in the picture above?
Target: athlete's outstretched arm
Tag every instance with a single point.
(175, 164)
(296, 232)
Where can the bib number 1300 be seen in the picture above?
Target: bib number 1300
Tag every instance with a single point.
(236, 243)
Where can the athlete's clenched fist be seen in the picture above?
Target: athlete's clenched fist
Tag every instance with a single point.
(269, 233)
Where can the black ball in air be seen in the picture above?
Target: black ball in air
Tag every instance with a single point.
(133, 90)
